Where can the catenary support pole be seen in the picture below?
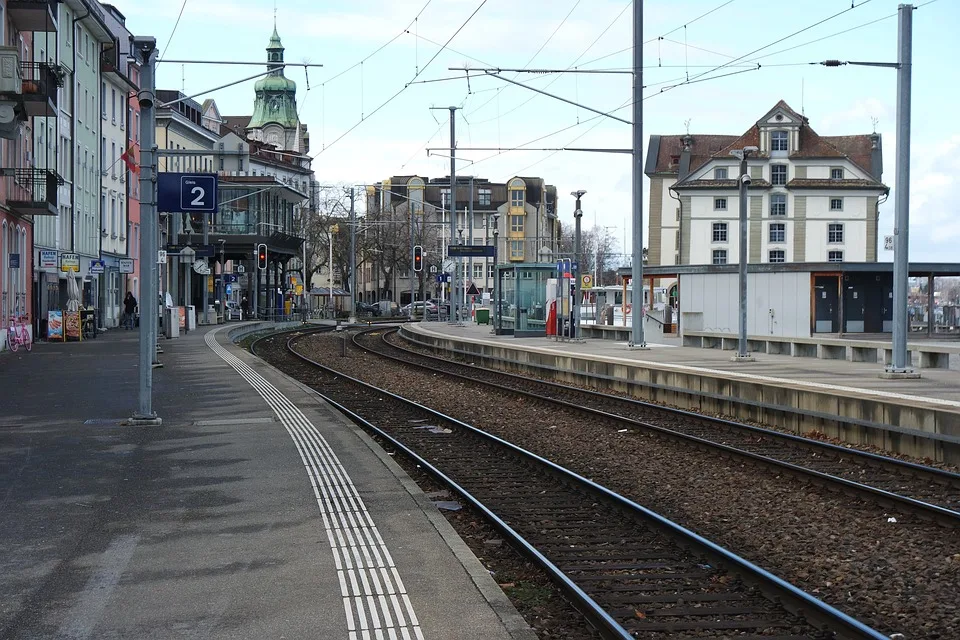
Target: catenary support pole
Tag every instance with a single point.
(145, 50)
(742, 259)
(454, 292)
(353, 258)
(637, 339)
(901, 225)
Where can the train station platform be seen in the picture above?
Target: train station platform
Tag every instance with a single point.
(253, 511)
(842, 399)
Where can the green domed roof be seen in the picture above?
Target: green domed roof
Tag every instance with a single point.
(275, 83)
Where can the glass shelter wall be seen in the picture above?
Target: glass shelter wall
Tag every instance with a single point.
(523, 299)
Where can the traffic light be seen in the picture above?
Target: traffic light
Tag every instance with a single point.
(262, 256)
(417, 258)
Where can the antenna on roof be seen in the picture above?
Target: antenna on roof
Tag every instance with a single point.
(874, 120)
(803, 112)
(686, 124)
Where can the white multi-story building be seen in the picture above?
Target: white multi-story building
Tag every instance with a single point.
(115, 122)
(812, 198)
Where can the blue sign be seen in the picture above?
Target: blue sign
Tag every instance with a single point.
(14, 260)
(187, 192)
(97, 266)
(230, 278)
(229, 289)
(443, 277)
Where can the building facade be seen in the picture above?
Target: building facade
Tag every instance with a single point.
(22, 101)
(520, 214)
(811, 198)
(116, 120)
(70, 139)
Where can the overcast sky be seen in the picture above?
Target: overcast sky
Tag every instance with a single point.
(390, 136)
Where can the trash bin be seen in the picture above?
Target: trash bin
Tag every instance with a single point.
(483, 316)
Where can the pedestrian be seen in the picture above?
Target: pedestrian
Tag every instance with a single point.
(244, 307)
(129, 310)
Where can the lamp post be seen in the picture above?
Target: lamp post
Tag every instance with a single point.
(577, 215)
(900, 365)
(743, 181)
(496, 280)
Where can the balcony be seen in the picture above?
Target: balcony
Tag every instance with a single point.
(33, 15)
(40, 84)
(34, 192)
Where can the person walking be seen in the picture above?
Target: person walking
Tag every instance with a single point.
(244, 307)
(129, 310)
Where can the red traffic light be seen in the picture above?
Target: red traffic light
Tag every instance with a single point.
(418, 258)
(262, 256)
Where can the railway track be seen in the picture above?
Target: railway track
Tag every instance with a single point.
(631, 571)
(929, 492)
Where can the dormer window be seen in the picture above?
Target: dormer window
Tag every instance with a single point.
(778, 141)
(836, 174)
(720, 174)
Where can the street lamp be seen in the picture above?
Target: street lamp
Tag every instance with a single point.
(461, 308)
(899, 367)
(743, 182)
(577, 215)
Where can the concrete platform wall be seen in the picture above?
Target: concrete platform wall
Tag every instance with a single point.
(892, 425)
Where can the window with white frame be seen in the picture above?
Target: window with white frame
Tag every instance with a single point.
(719, 256)
(778, 174)
(720, 204)
(484, 197)
(777, 255)
(778, 232)
(445, 197)
(720, 173)
(778, 204)
(835, 256)
(835, 232)
(719, 231)
(477, 270)
(836, 173)
(490, 268)
(778, 141)
(836, 204)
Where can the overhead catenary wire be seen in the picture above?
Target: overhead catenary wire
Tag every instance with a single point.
(175, 25)
(767, 46)
(405, 86)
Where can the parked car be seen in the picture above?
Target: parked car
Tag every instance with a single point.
(371, 308)
(418, 308)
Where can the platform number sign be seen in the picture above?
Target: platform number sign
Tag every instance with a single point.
(187, 192)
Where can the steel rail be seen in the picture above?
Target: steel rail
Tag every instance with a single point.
(940, 514)
(793, 599)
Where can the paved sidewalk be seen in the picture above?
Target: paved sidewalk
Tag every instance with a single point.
(210, 526)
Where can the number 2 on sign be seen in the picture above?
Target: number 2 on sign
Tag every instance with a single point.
(198, 201)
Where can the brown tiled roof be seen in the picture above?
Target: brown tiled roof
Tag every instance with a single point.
(859, 149)
(721, 184)
(749, 139)
(702, 149)
(824, 183)
(237, 124)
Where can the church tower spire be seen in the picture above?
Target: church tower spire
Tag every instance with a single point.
(274, 119)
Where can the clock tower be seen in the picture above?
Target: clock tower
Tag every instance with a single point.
(274, 120)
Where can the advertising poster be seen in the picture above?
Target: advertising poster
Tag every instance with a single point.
(182, 313)
(55, 325)
(71, 324)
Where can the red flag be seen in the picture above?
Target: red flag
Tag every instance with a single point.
(130, 161)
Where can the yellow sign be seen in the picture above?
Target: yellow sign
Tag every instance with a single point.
(334, 228)
(586, 281)
(299, 290)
